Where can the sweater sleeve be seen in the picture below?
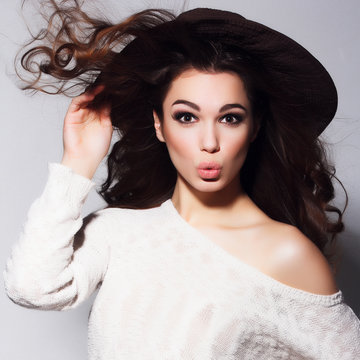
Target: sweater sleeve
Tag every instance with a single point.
(320, 327)
(346, 335)
(44, 271)
(333, 332)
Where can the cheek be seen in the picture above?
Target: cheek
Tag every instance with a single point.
(236, 147)
(180, 143)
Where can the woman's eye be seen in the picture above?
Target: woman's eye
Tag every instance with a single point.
(231, 119)
(184, 117)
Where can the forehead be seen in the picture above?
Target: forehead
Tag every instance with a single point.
(208, 88)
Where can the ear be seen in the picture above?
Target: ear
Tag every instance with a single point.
(158, 128)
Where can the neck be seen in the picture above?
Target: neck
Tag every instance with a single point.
(210, 208)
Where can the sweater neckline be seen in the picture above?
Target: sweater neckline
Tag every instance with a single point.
(201, 239)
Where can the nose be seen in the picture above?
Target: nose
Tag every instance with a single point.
(209, 139)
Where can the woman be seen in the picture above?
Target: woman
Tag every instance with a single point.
(214, 241)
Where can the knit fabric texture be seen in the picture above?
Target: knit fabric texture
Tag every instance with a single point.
(166, 291)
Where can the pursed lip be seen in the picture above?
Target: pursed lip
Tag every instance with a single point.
(209, 165)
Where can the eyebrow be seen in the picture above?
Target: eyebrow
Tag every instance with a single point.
(197, 107)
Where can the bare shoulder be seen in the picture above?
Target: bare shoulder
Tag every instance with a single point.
(297, 261)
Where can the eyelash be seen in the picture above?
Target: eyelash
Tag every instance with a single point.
(177, 116)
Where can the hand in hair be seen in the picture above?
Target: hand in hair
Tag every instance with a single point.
(86, 134)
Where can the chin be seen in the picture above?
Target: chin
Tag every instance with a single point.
(209, 185)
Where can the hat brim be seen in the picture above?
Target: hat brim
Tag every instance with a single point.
(305, 86)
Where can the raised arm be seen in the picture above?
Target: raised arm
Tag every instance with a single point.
(47, 269)
(43, 270)
(86, 135)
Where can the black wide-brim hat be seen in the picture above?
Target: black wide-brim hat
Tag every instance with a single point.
(306, 88)
(301, 96)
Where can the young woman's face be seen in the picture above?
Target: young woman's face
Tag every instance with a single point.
(207, 127)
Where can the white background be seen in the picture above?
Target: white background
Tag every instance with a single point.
(31, 136)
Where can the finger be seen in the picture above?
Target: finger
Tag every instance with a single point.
(84, 99)
(97, 90)
(106, 110)
(90, 94)
(81, 102)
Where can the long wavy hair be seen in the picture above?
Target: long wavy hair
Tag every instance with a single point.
(286, 173)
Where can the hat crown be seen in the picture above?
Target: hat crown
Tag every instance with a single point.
(200, 14)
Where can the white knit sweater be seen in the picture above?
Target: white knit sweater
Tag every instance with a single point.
(167, 291)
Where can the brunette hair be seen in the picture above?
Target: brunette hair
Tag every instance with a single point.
(286, 173)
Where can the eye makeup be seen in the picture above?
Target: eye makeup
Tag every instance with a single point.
(186, 117)
(236, 119)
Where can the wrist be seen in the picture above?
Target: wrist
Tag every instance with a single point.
(80, 166)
